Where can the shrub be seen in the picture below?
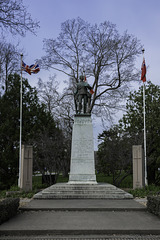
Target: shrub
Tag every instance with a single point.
(153, 205)
(145, 191)
(8, 209)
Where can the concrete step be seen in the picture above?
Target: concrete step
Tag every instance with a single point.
(89, 192)
(68, 191)
(82, 223)
(83, 205)
(83, 190)
(84, 186)
(67, 196)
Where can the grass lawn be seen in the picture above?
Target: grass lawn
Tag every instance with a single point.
(126, 185)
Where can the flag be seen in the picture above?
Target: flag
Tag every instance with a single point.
(34, 68)
(85, 80)
(25, 68)
(91, 91)
(143, 73)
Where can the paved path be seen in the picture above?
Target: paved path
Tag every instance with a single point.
(69, 237)
(84, 204)
(75, 222)
(77, 219)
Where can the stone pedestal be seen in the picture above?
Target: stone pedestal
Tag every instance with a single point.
(26, 168)
(138, 167)
(82, 169)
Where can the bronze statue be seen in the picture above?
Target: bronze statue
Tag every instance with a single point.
(82, 97)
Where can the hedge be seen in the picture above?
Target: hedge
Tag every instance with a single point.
(153, 205)
(8, 208)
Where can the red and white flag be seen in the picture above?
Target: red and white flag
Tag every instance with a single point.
(85, 80)
(143, 73)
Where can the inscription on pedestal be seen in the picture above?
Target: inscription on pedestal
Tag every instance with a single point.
(82, 155)
(82, 149)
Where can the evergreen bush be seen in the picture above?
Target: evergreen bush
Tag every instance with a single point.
(8, 208)
(153, 205)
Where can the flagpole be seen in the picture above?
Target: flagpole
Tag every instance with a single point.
(20, 133)
(145, 147)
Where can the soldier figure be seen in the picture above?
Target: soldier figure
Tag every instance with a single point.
(82, 96)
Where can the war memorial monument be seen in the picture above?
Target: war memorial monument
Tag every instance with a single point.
(82, 168)
(82, 178)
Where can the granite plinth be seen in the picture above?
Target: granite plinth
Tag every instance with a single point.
(82, 169)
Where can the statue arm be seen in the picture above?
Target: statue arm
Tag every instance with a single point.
(90, 88)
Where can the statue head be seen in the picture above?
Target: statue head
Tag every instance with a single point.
(81, 78)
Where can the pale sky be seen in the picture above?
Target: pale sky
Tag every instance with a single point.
(139, 17)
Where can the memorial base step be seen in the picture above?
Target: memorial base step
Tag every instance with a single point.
(82, 191)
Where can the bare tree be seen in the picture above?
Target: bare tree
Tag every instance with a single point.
(107, 57)
(61, 112)
(48, 93)
(15, 18)
(60, 105)
(9, 61)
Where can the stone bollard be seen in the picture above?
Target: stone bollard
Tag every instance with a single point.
(26, 168)
(138, 167)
